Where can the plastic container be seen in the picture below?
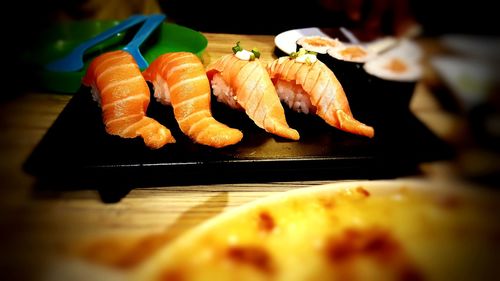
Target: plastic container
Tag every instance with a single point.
(59, 40)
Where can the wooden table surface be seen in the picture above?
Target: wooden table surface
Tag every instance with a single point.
(37, 223)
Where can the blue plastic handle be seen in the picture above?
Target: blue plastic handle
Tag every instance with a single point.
(146, 29)
(74, 60)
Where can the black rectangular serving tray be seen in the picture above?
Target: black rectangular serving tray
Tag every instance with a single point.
(77, 150)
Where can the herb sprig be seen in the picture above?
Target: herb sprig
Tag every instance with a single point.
(255, 52)
(301, 52)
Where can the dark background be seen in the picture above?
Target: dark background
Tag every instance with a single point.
(24, 21)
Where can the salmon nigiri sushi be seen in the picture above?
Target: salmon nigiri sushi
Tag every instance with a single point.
(179, 79)
(307, 85)
(241, 81)
(118, 86)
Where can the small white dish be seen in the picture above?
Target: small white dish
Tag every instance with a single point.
(286, 41)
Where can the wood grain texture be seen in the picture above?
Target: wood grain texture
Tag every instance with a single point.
(39, 222)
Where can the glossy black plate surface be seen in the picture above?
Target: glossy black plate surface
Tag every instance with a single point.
(77, 149)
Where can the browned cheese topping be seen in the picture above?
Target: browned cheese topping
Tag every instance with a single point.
(363, 191)
(376, 244)
(266, 222)
(171, 275)
(354, 243)
(254, 256)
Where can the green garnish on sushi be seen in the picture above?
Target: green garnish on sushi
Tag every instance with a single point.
(252, 54)
(256, 52)
(237, 48)
(302, 52)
